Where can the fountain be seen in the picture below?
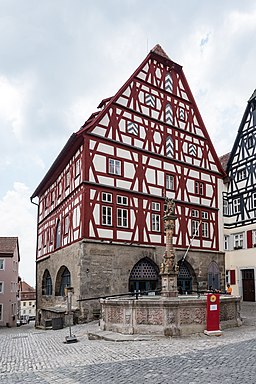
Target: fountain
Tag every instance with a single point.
(169, 314)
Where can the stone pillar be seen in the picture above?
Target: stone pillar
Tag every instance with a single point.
(169, 268)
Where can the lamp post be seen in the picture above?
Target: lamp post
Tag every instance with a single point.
(69, 292)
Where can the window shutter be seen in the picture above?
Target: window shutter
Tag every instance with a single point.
(249, 239)
(232, 276)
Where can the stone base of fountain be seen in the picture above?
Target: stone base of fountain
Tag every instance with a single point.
(166, 316)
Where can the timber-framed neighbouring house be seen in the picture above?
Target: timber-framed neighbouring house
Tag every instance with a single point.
(100, 227)
(239, 204)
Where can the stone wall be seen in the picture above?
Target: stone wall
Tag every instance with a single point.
(102, 269)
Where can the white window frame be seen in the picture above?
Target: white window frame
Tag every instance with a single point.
(225, 207)
(155, 222)
(205, 229)
(254, 238)
(238, 240)
(241, 174)
(2, 264)
(1, 286)
(254, 200)
(155, 206)
(236, 205)
(195, 227)
(114, 167)
(106, 197)
(77, 167)
(195, 213)
(205, 215)
(122, 217)
(106, 215)
(1, 312)
(226, 243)
(169, 181)
(199, 188)
(122, 200)
(66, 224)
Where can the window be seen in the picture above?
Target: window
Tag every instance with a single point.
(1, 264)
(106, 215)
(1, 287)
(106, 197)
(250, 141)
(24, 304)
(169, 182)
(77, 168)
(65, 281)
(30, 303)
(254, 200)
(58, 235)
(114, 167)
(236, 205)
(225, 207)
(254, 238)
(122, 200)
(59, 189)
(1, 312)
(155, 222)
(195, 227)
(67, 179)
(226, 242)
(67, 221)
(52, 197)
(122, 217)
(204, 215)
(205, 229)
(195, 213)
(155, 206)
(238, 241)
(231, 276)
(241, 174)
(199, 188)
(47, 283)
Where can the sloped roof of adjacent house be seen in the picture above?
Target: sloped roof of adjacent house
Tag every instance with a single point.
(224, 160)
(25, 287)
(8, 245)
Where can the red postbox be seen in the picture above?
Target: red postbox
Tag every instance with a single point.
(213, 314)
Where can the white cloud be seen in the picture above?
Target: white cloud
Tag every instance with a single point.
(18, 218)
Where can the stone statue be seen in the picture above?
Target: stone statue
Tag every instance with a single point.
(170, 207)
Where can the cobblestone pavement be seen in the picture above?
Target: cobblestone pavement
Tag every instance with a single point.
(29, 355)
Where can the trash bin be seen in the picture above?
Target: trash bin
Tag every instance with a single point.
(57, 323)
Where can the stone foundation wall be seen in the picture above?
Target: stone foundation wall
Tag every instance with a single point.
(102, 269)
(170, 317)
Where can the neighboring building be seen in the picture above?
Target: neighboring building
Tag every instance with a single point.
(9, 280)
(27, 300)
(239, 205)
(101, 204)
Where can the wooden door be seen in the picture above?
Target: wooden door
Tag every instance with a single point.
(248, 285)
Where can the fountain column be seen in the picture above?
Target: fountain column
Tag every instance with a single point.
(169, 268)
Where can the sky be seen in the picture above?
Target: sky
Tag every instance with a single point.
(60, 58)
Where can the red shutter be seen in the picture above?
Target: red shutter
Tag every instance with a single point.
(249, 239)
(232, 276)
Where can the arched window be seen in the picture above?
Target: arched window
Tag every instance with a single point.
(184, 278)
(63, 280)
(58, 235)
(144, 276)
(47, 283)
(213, 276)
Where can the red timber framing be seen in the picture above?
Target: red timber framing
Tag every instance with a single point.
(148, 142)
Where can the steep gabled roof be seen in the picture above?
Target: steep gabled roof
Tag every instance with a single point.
(252, 100)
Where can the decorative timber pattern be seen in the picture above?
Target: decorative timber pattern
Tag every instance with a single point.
(111, 179)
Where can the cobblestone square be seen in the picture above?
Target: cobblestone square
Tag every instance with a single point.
(30, 355)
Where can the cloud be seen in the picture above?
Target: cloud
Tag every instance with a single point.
(18, 218)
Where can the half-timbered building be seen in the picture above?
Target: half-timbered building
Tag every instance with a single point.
(101, 204)
(239, 204)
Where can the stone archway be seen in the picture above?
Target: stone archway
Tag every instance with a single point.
(144, 276)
